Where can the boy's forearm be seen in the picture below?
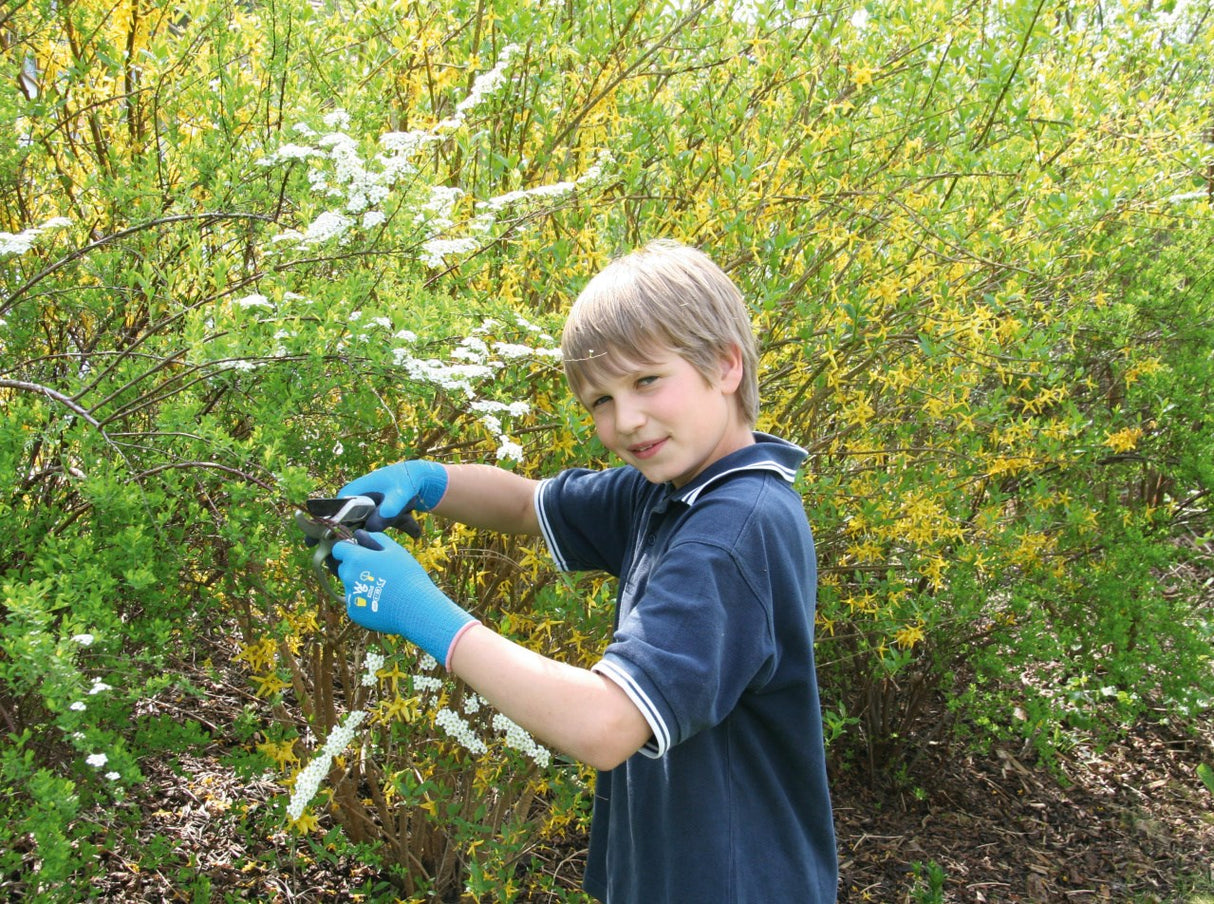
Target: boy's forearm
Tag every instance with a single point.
(491, 498)
(573, 710)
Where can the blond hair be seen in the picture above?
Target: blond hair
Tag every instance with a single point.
(664, 296)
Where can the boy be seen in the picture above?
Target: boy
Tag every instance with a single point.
(702, 716)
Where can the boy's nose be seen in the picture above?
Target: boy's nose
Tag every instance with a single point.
(629, 416)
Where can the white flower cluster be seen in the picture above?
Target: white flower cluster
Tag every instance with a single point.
(427, 685)
(337, 169)
(435, 251)
(473, 362)
(430, 688)
(21, 242)
(518, 738)
(507, 448)
(326, 227)
(362, 186)
(253, 300)
(458, 728)
(371, 666)
(485, 85)
(308, 781)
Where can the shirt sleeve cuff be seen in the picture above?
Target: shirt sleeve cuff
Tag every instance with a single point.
(546, 531)
(616, 671)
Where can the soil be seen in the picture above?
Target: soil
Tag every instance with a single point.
(1131, 822)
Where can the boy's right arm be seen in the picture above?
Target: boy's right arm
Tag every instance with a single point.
(491, 498)
(477, 495)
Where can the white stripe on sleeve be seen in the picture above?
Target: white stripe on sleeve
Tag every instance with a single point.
(619, 676)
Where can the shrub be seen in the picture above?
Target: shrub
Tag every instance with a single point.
(250, 252)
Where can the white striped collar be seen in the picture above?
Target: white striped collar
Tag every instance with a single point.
(768, 453)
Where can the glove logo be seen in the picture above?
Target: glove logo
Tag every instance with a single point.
(367, 590)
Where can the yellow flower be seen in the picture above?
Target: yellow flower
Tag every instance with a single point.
(907, 637)
(268, 685)
(306, 823)
(281, 752)
(259, 655)
(1124, 440)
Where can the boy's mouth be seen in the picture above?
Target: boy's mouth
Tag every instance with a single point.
(646, 449)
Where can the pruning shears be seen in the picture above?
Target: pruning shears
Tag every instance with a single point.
(326, 521)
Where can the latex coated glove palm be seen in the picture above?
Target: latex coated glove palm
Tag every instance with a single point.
(407, 486)
(388, 591)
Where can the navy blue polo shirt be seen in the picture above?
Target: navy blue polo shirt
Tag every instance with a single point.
(728, 802)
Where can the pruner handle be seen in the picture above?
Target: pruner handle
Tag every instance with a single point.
(320, 564)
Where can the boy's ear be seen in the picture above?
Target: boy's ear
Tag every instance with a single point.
(732, 367)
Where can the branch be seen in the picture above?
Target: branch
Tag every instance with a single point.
(121, 234)
(57, 397)
(211, 465)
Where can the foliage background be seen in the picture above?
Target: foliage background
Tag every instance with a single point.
(249, 251)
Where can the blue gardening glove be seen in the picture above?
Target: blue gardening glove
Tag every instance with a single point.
(407, 486)
(388, 591)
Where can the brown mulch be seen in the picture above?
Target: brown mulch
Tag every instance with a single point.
(1131, 822)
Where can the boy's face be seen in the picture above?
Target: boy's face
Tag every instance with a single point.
(665, 419)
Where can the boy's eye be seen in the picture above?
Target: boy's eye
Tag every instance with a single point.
(601, 400)
(645, 381)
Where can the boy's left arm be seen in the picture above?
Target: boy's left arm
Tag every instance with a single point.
(574, 710)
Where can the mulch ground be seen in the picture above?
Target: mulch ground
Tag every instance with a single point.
(1130, 823)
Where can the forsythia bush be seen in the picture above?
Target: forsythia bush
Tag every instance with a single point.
(250, 251)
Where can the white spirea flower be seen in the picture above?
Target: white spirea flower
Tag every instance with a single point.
(307, 783)
(288, 152)
(487, 82)
(459, 729)
(427, 684)
(329, 225)
(510, 450)
(443, 199)
(597, 170)
(338, 119)
(254, 301)
(406, 144)
(513, 350)
(83, 639)
(21, 242)
(78, 707)
(448, 376)
(371, 665)
(435, 251)
(97, 760)
(522, 196)
(518, 738)
(99, 686)
(113, 776)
